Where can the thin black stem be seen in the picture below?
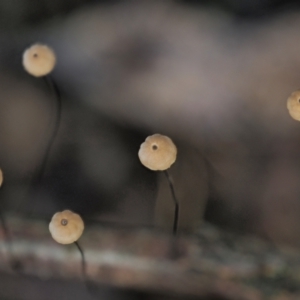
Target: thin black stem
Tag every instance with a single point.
(40, 172)
(5, 231)
(176, 213)
(15, 265)
(83, 269)
(83, 263)
(53, 86)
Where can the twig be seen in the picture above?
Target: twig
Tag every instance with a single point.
(212, 263)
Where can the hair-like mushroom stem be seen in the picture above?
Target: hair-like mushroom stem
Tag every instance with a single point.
(83, 263)
(41, 169)
(176, 203)
(52, 86)
(15, 264)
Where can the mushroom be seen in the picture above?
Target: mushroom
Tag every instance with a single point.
(39, 60)
(66, 227)
(293, 105)
(158, 152)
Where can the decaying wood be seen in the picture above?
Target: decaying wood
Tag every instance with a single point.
(209, 263)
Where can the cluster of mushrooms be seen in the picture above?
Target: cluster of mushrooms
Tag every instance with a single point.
(157, 153)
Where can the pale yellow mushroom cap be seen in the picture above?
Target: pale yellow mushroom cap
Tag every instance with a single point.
(293, 105)
(66, 227)
(39, 60)
(1, 177)
(158, 152)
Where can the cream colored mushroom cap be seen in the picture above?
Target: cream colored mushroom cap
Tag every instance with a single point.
(293, 105)
(66, 227)
(1, 177)
(39, 60)
(158, 152)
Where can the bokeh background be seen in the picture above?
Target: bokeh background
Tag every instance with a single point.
(212, 75)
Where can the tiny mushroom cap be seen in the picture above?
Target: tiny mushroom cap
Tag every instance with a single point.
(293, 105)
(158, 152)
(66, 227)
(39, 60)
(1, 177)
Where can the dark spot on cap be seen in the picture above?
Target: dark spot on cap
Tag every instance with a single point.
(64, 222)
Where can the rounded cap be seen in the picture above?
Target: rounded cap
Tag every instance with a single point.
(158, 152)
(293, 105)
(1, 177)
(39, 60)
(66, 227)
